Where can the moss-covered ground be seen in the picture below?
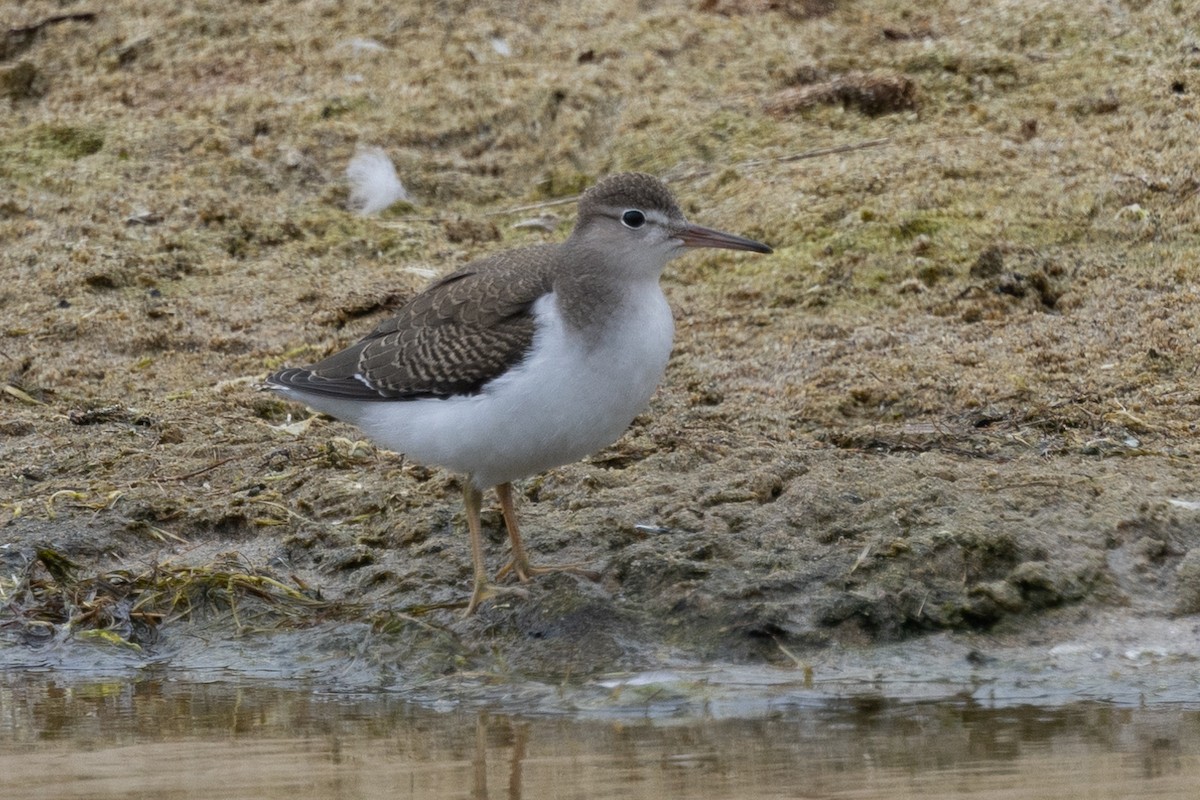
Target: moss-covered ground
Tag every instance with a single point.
(962, 395)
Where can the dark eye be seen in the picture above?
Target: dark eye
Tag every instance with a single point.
(633, 218)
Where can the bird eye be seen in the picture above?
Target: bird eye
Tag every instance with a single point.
(633, 218)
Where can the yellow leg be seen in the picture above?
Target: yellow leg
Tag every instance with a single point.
(473, 499)
(482, 590)
(520, 559)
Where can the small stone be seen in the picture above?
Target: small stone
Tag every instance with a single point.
(1002, 593)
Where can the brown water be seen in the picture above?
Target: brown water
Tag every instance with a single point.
(164, 739)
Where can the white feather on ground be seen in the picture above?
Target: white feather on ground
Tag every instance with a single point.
(364, 45)
(374, 184)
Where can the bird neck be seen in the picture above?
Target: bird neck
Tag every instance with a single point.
(591, 298)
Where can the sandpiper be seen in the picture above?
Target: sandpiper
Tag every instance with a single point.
(524, 360)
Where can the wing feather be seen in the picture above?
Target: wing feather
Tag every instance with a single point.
(451, 339)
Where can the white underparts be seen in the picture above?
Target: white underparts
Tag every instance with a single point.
(574, 394)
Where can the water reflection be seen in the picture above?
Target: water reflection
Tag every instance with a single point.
(160, 738)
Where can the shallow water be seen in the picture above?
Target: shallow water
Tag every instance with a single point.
(160, 738)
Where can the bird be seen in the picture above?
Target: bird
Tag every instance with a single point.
(521, 361)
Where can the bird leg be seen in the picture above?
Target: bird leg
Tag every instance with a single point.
(520, 559)
(482, 590)
(473, 499)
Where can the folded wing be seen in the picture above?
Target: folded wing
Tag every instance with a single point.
(451, 339)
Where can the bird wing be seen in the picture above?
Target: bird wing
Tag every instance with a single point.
(451, 339)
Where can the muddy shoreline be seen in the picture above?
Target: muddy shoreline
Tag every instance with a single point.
(957, 405)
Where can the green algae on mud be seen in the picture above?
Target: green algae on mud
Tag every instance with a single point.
(960, 396)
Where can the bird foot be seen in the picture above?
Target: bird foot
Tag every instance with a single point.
(525, 571)
(487, 591)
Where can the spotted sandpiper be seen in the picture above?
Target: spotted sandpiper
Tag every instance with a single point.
(524, 360)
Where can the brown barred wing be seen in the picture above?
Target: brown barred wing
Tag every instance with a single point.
(451, 339)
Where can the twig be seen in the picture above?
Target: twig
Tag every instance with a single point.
(24, 397)
(807, 154)
(79, 16)
(700, 173)
(18, 40)
(200, 471)
(822, 151)
(559, 201)
(284, 509)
